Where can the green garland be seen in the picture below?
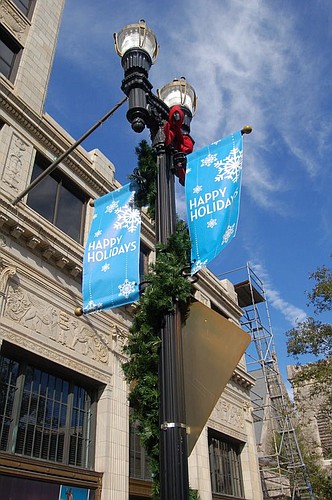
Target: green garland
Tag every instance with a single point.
(166, 286)
(145, 175)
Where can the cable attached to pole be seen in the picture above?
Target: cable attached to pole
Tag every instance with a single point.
(53, 165)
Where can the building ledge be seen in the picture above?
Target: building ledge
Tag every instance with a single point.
(40, 237)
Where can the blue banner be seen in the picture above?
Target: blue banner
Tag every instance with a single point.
(111, 255)
(213, 186)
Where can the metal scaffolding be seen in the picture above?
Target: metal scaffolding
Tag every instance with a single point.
(283, 471)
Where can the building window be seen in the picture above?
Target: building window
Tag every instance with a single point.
(225, 466)
(9, 51)
(59, 200)
(23, 5)
(45, 416)
(143, 261)
(138, 459)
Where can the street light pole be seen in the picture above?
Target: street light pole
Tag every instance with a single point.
(174, 480)
(138, 48)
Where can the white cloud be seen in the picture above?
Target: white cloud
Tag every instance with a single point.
(248, 64)
(291, 313)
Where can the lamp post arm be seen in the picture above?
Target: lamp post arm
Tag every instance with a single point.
(56, 162)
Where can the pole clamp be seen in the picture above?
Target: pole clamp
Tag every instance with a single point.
(171, 425)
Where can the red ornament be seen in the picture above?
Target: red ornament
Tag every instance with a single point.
(174, 136)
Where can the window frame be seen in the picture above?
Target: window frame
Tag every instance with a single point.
(63, 181)
(144, 261)
(231, 459)
(136, 449)
(24, 361)
(16, 48)
(26, 11)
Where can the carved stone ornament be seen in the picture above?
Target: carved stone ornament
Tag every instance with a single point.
(5, 274)
(3, 241)
(231, 414)
(51, 322)
(58, 357)
(119, 334)
(15, 161)
(13, 20)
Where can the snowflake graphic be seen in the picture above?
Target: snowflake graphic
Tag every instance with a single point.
(198, 265)
(126, 288)
(208, 160)
(111, 207)
(197, 189)
(95, 216)
(229, 167)
(228, 233)
(188, 170)
(98, 233)
(127, 218)
(211, 223)
(105, 267)
(92, 306)
(216, 142)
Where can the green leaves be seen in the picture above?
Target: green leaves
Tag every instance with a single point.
(310, 337)
(314, 380)
(321, 296)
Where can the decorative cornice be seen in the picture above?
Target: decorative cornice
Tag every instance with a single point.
(42, 130)
(43, 239)
(243, 379)
(54, 354)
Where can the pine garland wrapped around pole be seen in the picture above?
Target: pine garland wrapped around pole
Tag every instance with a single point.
(167, 287)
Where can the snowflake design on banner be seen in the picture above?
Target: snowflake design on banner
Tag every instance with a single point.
(127, 218)
(98, 233)
(111, 207)
(208, 160)
(92, 306)
(95, 216)
(229, 167)
(211, 223)
(105, 267)
(228, 233)
(197, 189)
(126, 288)
(198, 265)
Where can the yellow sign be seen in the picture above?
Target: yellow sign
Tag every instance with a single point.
(212, 348)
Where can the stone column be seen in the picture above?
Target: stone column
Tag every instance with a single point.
(112, 437)
(199, 467)
(249, 459)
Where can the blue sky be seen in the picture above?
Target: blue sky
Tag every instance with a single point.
(267, 64)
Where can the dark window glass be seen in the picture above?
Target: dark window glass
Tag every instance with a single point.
(9, 49)
(44, 416)
(143, 261)
(23, 5)
(138, 460)
(225, 465)
(58, 200)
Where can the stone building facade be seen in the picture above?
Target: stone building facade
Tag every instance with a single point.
(64, 413)
(314, 419)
